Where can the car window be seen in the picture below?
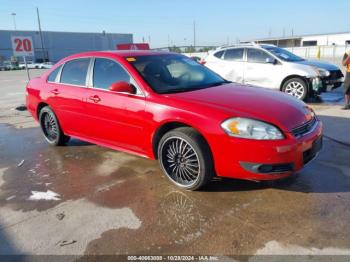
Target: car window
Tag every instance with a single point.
(219, 54)
(107, 72)
(52, 77)
(74, 72)
(235, 54)
(257, 56)
(170, 73)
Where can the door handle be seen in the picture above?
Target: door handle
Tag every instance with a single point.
(55, 91)
(95, 98)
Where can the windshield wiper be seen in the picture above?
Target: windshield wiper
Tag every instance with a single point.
(188, 89)
(178, 90)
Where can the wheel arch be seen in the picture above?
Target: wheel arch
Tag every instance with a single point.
(39, 107)
(166, 127)
(293, 76)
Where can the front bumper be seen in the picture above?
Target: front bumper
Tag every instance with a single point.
(327, 83)
(266, 160)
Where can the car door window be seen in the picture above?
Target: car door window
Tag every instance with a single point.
(74, 72)
(219, 54)
(106, 72)
(53, 75)
(235, 54)
(257, 56)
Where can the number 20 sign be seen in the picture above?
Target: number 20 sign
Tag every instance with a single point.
(22, 46)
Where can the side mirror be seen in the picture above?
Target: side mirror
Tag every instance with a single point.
(122, 87)
(270, 60)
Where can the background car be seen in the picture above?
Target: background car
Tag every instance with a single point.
(45, 65)
(168, 107)
(273, 67)
(33, 65)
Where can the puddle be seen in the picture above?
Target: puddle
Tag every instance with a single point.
(310, 209)
(83, 222)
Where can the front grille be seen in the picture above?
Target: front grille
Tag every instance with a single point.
(304, 128)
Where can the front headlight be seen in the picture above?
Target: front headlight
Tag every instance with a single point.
(251, 129)
(322, 72)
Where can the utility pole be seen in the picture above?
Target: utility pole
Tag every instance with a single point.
(41, 35)
(14, 20)
(194, 34)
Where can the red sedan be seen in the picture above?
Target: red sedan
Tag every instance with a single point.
(166, 106)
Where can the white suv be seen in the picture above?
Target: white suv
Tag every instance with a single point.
(276, 68)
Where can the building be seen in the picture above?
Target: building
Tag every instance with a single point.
(341, 39)
(57, 45)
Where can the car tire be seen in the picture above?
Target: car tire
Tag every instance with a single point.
(51, 128)
(296, 87)
(185, 158)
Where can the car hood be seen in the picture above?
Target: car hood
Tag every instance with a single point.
(319, 64)
(236, 100)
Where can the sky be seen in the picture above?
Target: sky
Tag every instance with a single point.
(170, 22)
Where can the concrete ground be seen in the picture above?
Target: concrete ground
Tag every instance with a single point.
(101, 201)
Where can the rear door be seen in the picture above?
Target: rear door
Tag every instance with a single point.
(260, 69)
(66, 96)
(118, 117)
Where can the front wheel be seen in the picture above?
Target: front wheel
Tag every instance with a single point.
(296, 87)
(185, 158)
(51, 128)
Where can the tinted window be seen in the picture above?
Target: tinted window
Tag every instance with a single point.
(107, 72)
(74, 72)
(309, 43)
(257, 56)
(219, 54)
(53, 75)
(234, 54)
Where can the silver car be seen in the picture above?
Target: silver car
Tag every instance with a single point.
(273, 67)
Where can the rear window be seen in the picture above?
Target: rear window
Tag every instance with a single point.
(74, 72)
(53, 76)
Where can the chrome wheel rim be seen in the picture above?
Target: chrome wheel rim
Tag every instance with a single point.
(295, 89)
(49, 126)
(180, 161)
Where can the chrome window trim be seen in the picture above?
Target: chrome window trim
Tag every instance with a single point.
(91, 78)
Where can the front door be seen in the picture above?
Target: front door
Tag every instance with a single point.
(261, 69)
(117, 119)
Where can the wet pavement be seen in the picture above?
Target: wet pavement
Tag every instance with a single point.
(108, 202)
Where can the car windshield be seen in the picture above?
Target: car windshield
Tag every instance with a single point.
(171, 73)
(283, 54)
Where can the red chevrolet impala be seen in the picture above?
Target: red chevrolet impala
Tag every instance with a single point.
(166, 106)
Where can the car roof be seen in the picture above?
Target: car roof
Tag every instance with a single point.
(122, 53)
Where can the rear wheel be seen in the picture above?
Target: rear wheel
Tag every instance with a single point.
(296, 87)
(185, 158)
(51, 128)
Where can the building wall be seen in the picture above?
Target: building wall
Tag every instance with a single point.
(58, 45)
(331, 39)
